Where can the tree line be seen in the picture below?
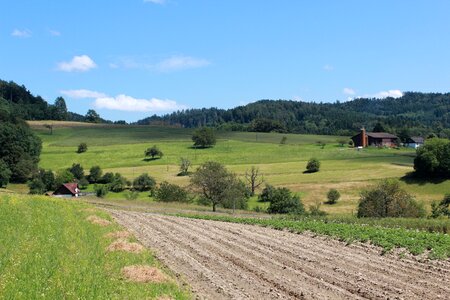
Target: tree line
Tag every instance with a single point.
(418, 113)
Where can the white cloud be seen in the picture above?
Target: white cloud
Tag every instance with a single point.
(54, 32)
(328, 67)
(175, 63)
(81, 63)
(348, 91)
(128, 103)
(82, 94)
(384, 94)
(25, 33)
(156, 1)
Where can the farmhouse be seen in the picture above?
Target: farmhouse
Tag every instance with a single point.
(67, 190)
(414, 142)
(379, 139)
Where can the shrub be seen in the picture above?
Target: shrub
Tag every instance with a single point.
(144, 183)
(77, 171)
(36, 186)
(266, 194)
(333, 196)
(83, 183)
(5, 174)
(154, 151)
(433, 158)
(184, 166)
(131, 195)
(238, 199)
(95, 174)
(441, 208)
(82, 148)
(387, 199)
(313, 165)
(107, 178)
(63, 176)
(101, 190)
(168, 192)
(314, 210)
(118, 184)
(283, 202)
(283, 140)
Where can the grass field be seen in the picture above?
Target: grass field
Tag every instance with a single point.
(48, 250)
(121, 149)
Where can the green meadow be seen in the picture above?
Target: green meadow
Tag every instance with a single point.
(121, 149)
(49, 250)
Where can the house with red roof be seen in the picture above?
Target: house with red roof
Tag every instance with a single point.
(67, 190)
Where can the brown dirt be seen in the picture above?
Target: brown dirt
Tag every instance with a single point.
(142, 273)
(98, 221)
(124, 245)
(234, 261)
(118, 235)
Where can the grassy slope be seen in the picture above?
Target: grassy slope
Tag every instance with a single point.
(121, 148)
(48, 250)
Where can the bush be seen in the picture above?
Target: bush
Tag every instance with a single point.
(82, 148)
(433, 158)
(63, 176)
(314, 210)
(283, 202)
(107, 178)
(441, 208)
(238, 200)
(266, 194)
(118, 184)
(144, 183)
(333, 196)
(387, 199)
(168, 192)
(204, 137)
(83, 183)
(131, 195)
(5, 174)
(101, 191)
(184, 166)
(95, 174)
(154, 151)
(313, 165)
(77, 171)
(36, 186)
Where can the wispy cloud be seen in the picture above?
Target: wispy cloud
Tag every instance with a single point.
(82, 94)
(155, 1)
(54, 32)
(175, 63)
(328, 67)
(81, 63)
(128, 103)
(384, 94)
(24, 33)
(349, 91)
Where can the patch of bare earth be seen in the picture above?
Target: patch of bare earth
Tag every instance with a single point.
(98, 221)
(124, 245)
(118, 235)
(142, 273)
(235, 261)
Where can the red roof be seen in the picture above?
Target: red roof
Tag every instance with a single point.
(67, 189)
(72, 187)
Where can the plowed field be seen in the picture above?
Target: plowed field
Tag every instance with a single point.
(234, 261)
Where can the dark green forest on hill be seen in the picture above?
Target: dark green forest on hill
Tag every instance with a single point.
(416, 113)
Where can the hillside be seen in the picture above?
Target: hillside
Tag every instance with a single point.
(413, 113)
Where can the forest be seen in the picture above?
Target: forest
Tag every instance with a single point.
(417, 113)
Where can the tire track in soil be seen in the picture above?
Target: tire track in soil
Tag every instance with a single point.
(235, 261)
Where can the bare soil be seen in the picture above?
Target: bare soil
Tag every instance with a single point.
(235, 261)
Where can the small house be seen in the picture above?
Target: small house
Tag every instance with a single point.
(378, 139)
(67, 190)
(414, 142)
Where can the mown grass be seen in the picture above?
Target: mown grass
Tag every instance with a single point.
(49, 251)
(416, 242)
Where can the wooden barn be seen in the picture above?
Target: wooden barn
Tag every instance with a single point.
(67, 190)
(414, 142)
(378, 139)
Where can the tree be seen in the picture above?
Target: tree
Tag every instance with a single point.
(95, 174)
(107, 178)
(388, 199)
(433, 158)
(49, 127)
(342, 141)
(144, 183)
(101, 191)
(37, 186)
(118, 184)
(184, 166)
(378, 127)
(154, 151)
(60, 109)
(333, 196)
(63, 176)
(204, 137)
(167, 192)
(77, 171)
(441, 208)
(283, 202)
(5, 174)
(216, 184)
(313, 165)
(283, 140)
(82, 148)
(92, 116)
(254, 179)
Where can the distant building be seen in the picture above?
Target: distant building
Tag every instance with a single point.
(67, 190)
(414, 142)
(378, 139)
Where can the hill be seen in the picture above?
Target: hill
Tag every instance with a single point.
(412, 114)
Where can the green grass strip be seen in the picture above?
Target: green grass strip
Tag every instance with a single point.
(416, 242)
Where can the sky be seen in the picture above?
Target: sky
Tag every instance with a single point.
(129, 59)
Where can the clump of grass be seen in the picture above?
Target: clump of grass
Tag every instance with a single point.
(50, 251)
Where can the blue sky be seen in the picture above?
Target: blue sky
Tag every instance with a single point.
(129, 59)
